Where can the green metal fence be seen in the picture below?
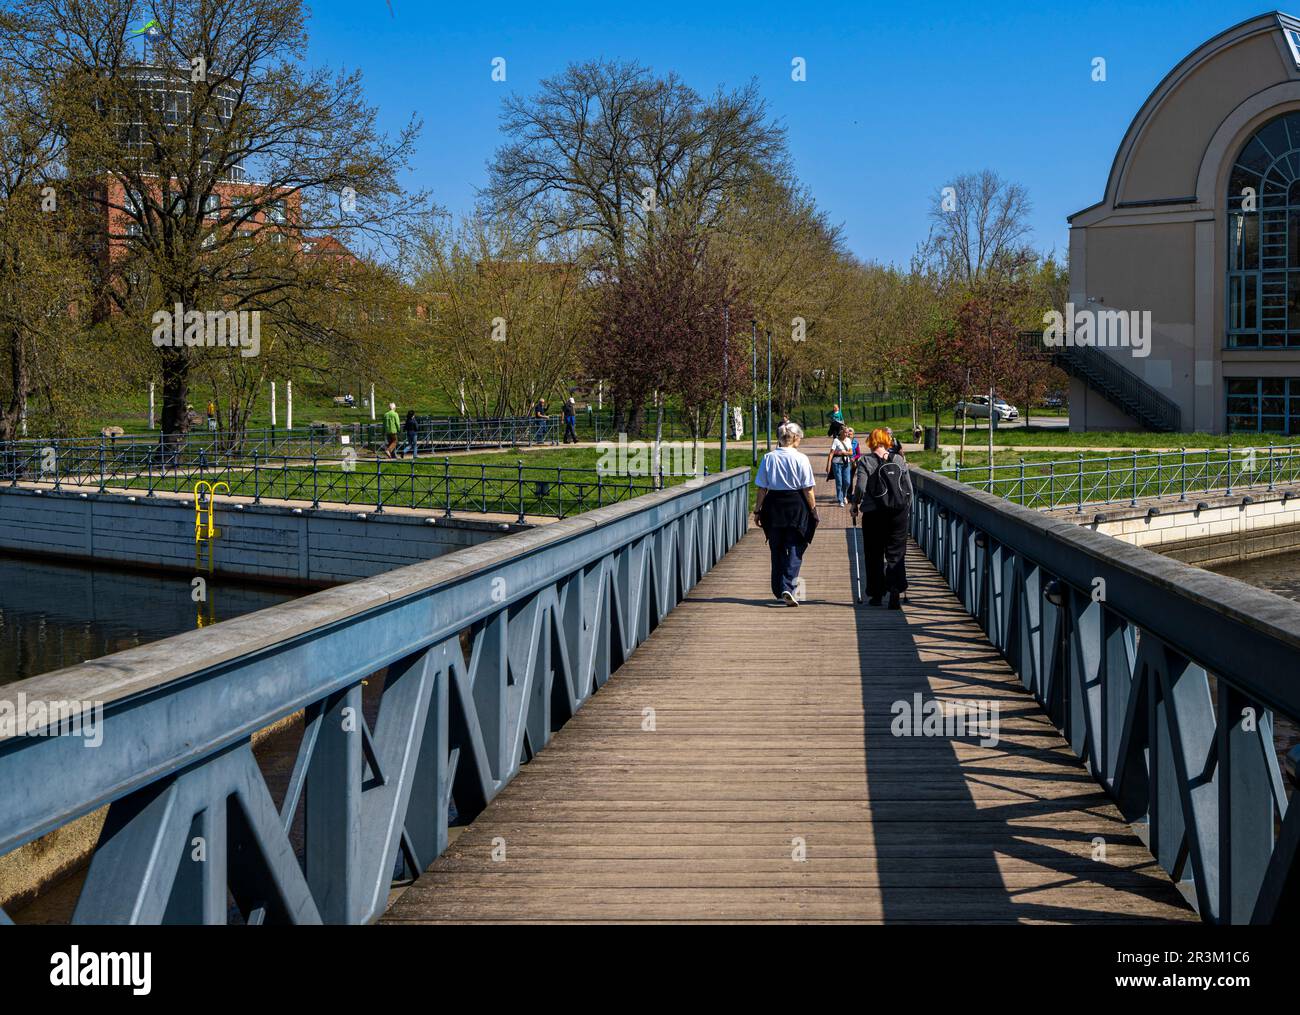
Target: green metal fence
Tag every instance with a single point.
(1133, 477)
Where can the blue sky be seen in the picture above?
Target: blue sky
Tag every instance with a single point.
(898, 98)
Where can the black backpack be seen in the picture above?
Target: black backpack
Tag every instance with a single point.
(885, 490)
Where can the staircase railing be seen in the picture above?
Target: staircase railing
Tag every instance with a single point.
(1113, 380)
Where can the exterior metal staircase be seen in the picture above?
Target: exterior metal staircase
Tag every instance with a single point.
(1113, 381)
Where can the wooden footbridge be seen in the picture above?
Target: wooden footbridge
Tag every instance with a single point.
(741, 767)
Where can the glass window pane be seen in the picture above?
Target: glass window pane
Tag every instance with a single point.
(1273, 385)
(1243, 386)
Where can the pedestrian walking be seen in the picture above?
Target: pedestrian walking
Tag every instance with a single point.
(882, 492)
(895, 445)
(391, 425)
(570, 421)
(412, 433)
(837, 421)
(838, 464)
(539, 414)
(786, 510)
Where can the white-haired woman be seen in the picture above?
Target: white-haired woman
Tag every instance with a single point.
(786, 510)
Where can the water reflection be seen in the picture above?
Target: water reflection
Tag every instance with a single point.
(54, 615)
(1280, 574)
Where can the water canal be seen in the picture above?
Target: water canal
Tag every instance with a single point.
(55, 614)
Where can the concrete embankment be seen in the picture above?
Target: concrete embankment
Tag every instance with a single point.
(1206, 529)
(275, 541)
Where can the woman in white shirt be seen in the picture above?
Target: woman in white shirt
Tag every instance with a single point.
(786, 510)
(840, 463)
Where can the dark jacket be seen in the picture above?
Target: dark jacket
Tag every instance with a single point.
(867, 465)
(787, 509)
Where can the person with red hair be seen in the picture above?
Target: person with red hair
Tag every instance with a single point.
(882, 492)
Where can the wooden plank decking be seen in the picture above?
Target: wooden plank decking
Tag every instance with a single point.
(772, 730)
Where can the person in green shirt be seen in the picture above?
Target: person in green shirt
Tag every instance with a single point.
(392, 424)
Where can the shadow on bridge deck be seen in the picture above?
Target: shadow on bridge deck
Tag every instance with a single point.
(772, 740)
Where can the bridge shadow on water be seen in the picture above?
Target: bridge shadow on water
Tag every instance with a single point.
(965, 828)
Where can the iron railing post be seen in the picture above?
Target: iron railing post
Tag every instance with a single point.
(315, 484)
(1228, 467)
(257, 480)
(379, 486)
(1182, 474)
(101, 463)
(1133, 497)
(519, 473)
(1079, 509)
(446, 480)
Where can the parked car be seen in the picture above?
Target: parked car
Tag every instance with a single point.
(978, 407)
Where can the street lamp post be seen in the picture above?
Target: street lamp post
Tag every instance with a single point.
(839, 348)
(726, 328)
(753, 419)
(769, 389)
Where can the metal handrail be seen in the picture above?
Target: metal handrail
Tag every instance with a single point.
(1164, 677)
(336, 477)
(1079, 482)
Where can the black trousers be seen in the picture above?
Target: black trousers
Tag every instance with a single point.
(570, 431)
(884, 551)
(787, 545)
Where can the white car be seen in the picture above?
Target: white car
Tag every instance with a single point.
(978, 407)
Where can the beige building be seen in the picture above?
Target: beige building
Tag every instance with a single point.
(1200, 226)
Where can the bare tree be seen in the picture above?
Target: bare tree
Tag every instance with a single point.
(608, 149)
(980, 226)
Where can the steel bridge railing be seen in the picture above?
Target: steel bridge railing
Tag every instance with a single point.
(329, 474)
(1164, 678)
(1139, 475)
(475, 660)
(432, 435)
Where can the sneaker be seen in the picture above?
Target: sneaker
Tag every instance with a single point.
(789, 599)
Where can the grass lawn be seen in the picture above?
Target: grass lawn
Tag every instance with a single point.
(559, 482)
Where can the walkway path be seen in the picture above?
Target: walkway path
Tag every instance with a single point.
(772, 789)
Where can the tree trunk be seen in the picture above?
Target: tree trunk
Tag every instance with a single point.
(176, 391)
(11, 415)
(659, 437)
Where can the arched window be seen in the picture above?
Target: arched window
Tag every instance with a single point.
(1263, 286)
